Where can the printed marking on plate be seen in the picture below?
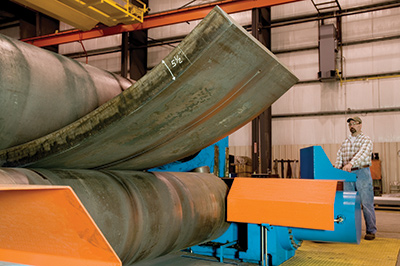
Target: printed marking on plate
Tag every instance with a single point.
(176, 60)
(173, 77)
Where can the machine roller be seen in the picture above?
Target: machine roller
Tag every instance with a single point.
(142, 215)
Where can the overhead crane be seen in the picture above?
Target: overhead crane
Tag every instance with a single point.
(153, 21)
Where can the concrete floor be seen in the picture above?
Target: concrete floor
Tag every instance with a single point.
(388, 224)
(383, 251)
(386, 246)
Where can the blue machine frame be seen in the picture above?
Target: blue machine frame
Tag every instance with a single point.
(269, 244)
(210, 156)
(280, 243)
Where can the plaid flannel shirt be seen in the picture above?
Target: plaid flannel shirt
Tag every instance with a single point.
(358, 153)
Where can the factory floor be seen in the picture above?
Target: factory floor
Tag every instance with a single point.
(382, 251)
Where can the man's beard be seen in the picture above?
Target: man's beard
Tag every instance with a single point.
(353, 130)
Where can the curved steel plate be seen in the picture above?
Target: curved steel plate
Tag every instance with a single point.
(41, 92)
(215, 81)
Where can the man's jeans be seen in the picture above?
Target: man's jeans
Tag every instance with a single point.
(366, 191)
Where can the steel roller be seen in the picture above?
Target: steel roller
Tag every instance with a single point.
(41, 91)
(142, 215)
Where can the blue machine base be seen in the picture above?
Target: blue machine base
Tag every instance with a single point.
(244, 242)
(280, 247)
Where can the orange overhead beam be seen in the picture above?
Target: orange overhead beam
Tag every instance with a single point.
(303, 203)
(48, 225)
(153, 21)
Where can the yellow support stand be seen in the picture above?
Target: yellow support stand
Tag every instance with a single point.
(86, 14)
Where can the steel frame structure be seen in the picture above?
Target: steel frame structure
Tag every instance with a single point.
(153, 21)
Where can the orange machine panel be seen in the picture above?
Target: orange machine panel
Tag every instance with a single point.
(48, 225)
(304, 203)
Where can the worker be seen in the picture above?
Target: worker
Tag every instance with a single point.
(355, 156)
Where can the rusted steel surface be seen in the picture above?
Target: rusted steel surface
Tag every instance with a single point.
(142, 215)
(41, 91)
(216, 80)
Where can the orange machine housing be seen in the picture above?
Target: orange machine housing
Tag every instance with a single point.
(47, 226)
(284, 202)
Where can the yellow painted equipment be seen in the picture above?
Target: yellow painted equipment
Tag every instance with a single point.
(86, 14)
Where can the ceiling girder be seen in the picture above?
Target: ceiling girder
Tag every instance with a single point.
(153, 21)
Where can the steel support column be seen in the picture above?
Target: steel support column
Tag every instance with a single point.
(134, 54)
(261, 126)
(137, 54)
(124, 54)
(38, 24)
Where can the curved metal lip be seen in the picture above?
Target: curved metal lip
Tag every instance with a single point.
(214, 82)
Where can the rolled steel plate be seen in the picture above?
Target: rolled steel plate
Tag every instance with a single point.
(41, 92)
(142, 215)
(215, 81)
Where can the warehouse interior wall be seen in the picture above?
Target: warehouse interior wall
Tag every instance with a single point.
(300, 118)
(312, 112)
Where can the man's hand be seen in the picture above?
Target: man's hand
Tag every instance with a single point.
(347, 167)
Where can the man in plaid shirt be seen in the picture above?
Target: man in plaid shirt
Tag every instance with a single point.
(355, 156)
